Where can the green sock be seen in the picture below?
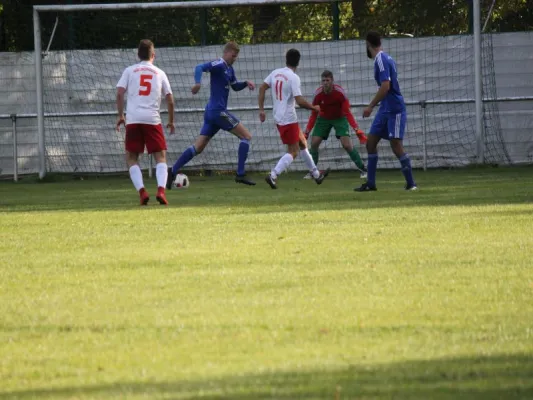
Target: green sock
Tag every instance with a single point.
(356, 158)
(314, 154)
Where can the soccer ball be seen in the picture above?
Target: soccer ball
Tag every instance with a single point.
(181, 181)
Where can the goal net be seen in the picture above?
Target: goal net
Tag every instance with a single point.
(90, 49)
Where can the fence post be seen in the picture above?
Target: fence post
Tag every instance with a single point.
(470, 16)
(203, 26)
(423, 106)
(15, 150)
(39, 91)
(336, 24)
(71, 35)
(478, 77)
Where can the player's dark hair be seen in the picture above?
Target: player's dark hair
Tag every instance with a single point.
(292, 58)
(374, 39)
(327, 74)
(146, 49)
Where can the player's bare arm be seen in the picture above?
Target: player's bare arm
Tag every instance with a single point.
(380, 95)
(261, 101)
(302, 102)
(121, 120)
(170, 106)
(305, 104)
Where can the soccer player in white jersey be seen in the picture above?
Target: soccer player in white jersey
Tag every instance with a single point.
(144, 84)
(286, 93)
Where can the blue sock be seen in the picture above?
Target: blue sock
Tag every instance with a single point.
(372, 167)
(187, 156)
(406, 169)
(244, 146)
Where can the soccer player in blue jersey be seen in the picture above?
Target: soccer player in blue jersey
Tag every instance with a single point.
(216, 114)
(391, 117)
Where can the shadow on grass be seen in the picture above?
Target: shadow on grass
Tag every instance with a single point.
(496, 377)
(507, 213)
(437, 188)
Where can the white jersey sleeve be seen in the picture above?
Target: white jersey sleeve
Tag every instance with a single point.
(268, 80)
(145, 84)
(296, 85)
(123, 82)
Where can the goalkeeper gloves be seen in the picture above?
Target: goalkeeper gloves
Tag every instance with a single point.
(361, 136)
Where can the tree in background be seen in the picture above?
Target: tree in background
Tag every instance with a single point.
(269, 23)
(511, 15)
(263, 16)
(2, 28)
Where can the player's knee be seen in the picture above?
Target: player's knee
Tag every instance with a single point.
(160, 157)
(347, 147)
(397, 148)
(293, 150)
(241, 132)
(246, 135)
(398, 153)
(200, 145)
(132, 158)
(371, 147)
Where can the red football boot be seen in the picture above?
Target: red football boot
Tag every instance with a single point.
(143, 194)
(161, 198)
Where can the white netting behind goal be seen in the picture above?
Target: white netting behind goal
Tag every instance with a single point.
(79, 95)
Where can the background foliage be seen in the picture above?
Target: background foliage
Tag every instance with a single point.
(269, 23)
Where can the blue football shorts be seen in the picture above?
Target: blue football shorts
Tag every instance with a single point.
(217, 120)
(389, 125)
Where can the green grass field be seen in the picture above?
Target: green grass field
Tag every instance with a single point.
(233, 292)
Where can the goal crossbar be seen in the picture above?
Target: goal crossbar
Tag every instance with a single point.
(178, 4)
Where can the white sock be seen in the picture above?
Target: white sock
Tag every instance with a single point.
(161, 173)
(310, 163)
(136, 177)
(282, 165)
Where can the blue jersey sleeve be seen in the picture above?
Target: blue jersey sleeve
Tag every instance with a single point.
(206, 67)
(236, 85)
(382, 68)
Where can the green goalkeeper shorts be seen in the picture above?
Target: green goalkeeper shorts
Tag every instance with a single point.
(323, 127)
